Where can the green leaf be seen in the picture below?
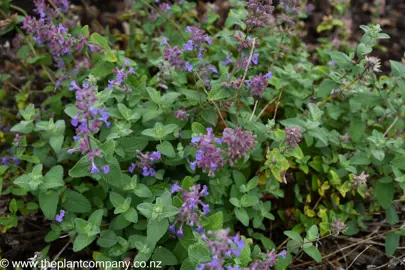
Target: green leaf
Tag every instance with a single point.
(100, 40)
(196, 252)
(75, 202)
(342, 60)
(96, 218)
(156, 229)
(48, 201)
(325, 88)
(154, 95)
(116, 199)
(23, 181)
(107, 239)
(294, 236)
(384, 193)
(397, 69)
(146, 209)
(314, 253)
(312, 233)
(248, 200)
(236, 17)
(165, 256)
(56, 143)
(166, 148)
(235, 202)
(210, 116)
(391, 243)
(242, 216)
(131, 215)
(197, 128)
(81, 168)
(114, 177)
(142, 191)
(82, 241)
(391, 215)
(214, 222)
(53, 178)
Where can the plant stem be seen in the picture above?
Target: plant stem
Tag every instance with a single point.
(213, 102)
(254, 110)
(243, 79)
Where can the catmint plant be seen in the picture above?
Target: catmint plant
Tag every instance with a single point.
(190, 212)
(222, 246)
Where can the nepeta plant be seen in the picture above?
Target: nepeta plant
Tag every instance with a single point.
(293, 151)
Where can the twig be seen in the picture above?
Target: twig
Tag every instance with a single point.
(213, 102)
(278, 102)
(391, 126)
(265, 107)
(61, 251)
(243, 79)
(359, 256)
(254, 110)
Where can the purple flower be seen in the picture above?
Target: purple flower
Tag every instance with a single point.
(222, 247)
(190, 212)
(239, 143)
(146, 162)
(181, 114)
(121, 75)
(173, 56)
(260, 13)
(59, 217)
(255, 58)
(269, 75)
(132, 167)
(293, 136)
(164, 42)
(267, 260)
(188, 67)
(188, 46)
(106, 169)
(227, 61)
(209, 156)
(257, 84)
(197, 39)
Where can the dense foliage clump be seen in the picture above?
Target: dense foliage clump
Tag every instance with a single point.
(199, 144)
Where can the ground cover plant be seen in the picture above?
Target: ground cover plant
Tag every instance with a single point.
(204, 142)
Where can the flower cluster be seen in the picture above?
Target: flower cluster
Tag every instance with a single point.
(209, 156)
(205, 71)
(190, 212)
(145, 163)
(269, 260)
(239, 143)
(260, 13)
(372, 64)
(196, 41)
(258, 83)
(337, 227)
(87, 121)
(222, 246)
(89, 118)
(7, 160)
(173, 56)
(293, 136)
(46, 12)
(181, 114)
(59, 217)
(45, 32)
(121, 75)
(360, 180)
(56, 38)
